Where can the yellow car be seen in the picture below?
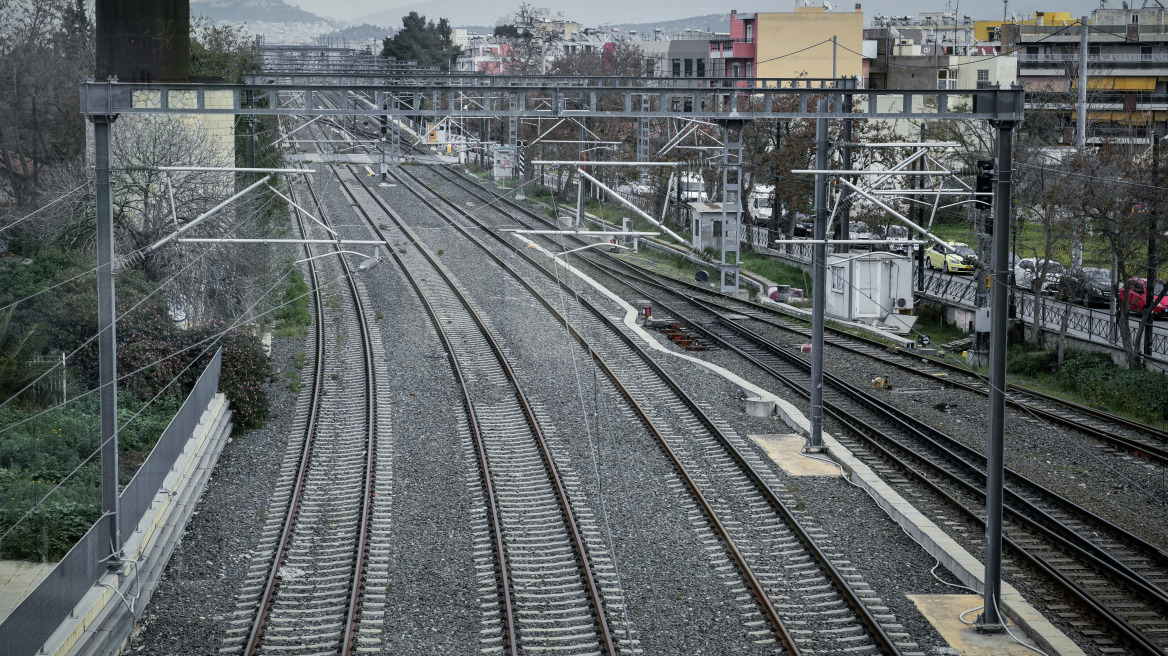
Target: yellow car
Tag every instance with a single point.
(957, 257)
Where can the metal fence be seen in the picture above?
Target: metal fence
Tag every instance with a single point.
(950, 288)
(1087, 324)
(31, 623)
(139, 494)
(1097, 326)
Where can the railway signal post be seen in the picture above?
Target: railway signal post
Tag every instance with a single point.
(991, 619)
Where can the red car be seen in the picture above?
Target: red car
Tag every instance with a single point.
(1135, 291)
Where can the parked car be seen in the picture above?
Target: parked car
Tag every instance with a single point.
(758, 205)
(894, 234)
(1090, 286)
(1135, 293)
(957, 257)
(1029, 270)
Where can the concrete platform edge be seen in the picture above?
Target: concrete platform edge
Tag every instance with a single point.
(936, 542)
(102, 621)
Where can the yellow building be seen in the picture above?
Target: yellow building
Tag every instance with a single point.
(758, 42)
(991, 30)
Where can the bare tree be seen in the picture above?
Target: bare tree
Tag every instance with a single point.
(46, 48)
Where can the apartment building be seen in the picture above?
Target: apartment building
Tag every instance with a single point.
(1127, 68)
(790, 44)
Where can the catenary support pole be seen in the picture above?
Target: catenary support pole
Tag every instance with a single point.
(819, 279)
(1153, 263)
(1080, 138)
(990, 619)
(107, 344)
(846, 156)
(580, 180)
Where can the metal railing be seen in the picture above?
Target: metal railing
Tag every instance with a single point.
(1096, 326)
(950, 288)
(1101, 58)
(1087, 324)
(31, 623)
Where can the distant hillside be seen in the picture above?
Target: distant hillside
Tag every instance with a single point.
(268, 11)
(355, 34)
(706, 23)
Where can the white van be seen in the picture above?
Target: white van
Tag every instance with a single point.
(693, 189)
(758, 205)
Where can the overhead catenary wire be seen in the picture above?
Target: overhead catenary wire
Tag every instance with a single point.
(133, 307)
(980, 60)
(47, 205)
(210, 340)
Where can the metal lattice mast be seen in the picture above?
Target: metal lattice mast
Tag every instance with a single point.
(643, 131)
(731, 204)
(513, 130)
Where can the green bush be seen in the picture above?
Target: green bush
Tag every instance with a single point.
(1096, 378)
(245, 370)
(1027, 360)
(294, 317)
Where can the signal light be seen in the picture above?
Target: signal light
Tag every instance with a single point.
(985, 185)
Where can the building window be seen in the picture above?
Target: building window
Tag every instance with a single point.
(689, 68)
(946, 79)
(749, 32)
(701, 68)
(1092, 51)
(1145, 53)
(1135, 19)
(749, 69)
(983, 78)
(837, 279)
(737, 72)
(676, 68)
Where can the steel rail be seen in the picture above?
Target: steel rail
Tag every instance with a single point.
(782, 633)
(269, 592)
(1087, 551)
(821, 558)
(593, 590)
(480, 450)
(353, 606)
(1129, 579)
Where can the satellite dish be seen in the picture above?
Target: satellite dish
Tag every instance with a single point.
(702, 276)
(894, 32)
(827, 5)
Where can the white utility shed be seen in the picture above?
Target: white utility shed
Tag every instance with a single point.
(868, 286)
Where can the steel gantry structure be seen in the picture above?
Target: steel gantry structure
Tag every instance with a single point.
(393, 91)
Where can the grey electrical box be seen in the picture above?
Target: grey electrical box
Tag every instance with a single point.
(981, 320)
(504, 161)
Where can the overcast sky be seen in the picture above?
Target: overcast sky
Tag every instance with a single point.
(621, 11)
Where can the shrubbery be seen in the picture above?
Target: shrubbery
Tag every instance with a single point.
(244, 372)
(35, 456)
(1093, 376)
(293, 316)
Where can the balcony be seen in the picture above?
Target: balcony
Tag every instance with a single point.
(1120, 58)
(733, 49)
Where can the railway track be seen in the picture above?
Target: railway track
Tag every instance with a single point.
(549, 594)
(733, 486)
(1118, 433)
(304, 591)
(1064, 541)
